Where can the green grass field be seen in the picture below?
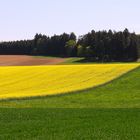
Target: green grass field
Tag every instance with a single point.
(108, 112)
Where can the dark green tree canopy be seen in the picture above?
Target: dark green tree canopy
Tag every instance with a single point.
(94, 46)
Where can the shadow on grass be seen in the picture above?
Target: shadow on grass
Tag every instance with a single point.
(84, 60)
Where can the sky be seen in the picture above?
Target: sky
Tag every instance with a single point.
(22, 19)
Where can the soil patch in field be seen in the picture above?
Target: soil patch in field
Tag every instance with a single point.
(23, 60)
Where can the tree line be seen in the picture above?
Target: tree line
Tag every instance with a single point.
(102, 46)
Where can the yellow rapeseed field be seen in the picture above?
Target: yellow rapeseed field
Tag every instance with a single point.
(26, 81)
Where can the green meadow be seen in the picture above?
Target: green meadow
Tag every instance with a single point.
(108, 112)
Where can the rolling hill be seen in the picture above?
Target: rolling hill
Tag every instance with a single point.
(29, 81)
(107, 112)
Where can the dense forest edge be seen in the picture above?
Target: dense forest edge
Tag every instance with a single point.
(100, 46)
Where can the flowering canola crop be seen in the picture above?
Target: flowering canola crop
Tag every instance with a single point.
(28, 81)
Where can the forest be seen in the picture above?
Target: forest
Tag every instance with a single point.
(100, 46)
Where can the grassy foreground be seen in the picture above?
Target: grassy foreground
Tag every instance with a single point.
(69, 124)
(109, 112)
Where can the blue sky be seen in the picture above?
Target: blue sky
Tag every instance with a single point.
(22, 19)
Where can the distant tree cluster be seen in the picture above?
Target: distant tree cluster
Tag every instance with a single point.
(57, 45)
(23, 47)
(109, 46)
(103, 46)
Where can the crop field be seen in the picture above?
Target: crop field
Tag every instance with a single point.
(17, 82)
(25, 60)
(107, 112)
